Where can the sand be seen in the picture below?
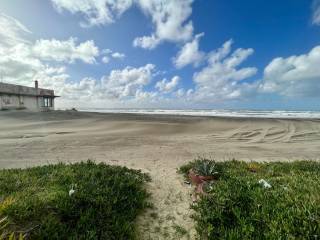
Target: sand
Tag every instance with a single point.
(156, 144)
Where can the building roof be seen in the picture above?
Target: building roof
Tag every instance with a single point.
(13, 89)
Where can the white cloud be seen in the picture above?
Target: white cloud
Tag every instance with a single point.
(190, 54)
(118, 55)
(12, 31)
(222, 79)
(66, 51)
(17, 63)
(108, 54)
(170, 18)
(19, 66)
(105, 59)
(122, 87)
(85, 89)
(96, 12)
(316, 12)
(148, 42)
(294, 76)
(143, 95)
(168, 86)
(127, 82)
(184, 94)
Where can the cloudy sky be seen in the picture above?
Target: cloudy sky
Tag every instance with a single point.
(253, 54)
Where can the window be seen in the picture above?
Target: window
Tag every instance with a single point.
(47, 102)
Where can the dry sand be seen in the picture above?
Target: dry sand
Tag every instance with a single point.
(156, 144)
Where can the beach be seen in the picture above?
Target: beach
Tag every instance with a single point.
(156, 144)
(28, 139)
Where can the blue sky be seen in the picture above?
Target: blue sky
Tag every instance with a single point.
(169, 54)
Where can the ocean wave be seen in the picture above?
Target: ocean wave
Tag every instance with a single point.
(216, 113)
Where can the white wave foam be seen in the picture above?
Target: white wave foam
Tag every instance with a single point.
(217, 113)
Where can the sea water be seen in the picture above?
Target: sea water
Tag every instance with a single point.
(213, 112)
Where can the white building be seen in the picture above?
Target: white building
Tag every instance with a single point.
(21, 97)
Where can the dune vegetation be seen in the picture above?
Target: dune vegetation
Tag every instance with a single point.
(276, 200)
(76, 201)
(241, 200)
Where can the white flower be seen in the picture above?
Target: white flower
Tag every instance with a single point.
(71, 191)
(264, 183)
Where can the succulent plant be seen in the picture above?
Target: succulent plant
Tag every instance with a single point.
(206, 168)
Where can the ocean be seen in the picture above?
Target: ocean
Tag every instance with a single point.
(218, 113)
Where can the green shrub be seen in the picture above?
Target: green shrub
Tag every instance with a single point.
(104, 205)
(237, 206)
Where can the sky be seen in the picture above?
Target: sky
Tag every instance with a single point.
(177, 54)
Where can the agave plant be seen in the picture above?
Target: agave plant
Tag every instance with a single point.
(206, 168)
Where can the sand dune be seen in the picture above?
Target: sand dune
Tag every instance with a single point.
(155, 144)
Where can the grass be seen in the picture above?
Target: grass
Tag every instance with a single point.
(180, 230)
(237, 206)
(38, 202)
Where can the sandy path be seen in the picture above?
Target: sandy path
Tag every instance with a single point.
(157, 145)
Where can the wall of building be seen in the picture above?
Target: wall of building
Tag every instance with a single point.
(31, 103)
(8, 101)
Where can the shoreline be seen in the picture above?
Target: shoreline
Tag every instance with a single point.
(144, 116)
(273, 114)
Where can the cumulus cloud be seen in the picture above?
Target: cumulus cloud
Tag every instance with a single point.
(316, 12)
(222, 78)
(66, 51)
(105, 59)
(128, 82)
(170, 18)
(168, 86)
(96, 12)
(190, 54)
(147, 42)
(86, 89)
(17, 62)
(181, 93)
(19, 66)
(121, 86)
(118, 55)
(294, 76)
(144, 95)
(107, 54)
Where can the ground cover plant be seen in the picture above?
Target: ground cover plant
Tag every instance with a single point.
(77, 201)
(276, 200)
